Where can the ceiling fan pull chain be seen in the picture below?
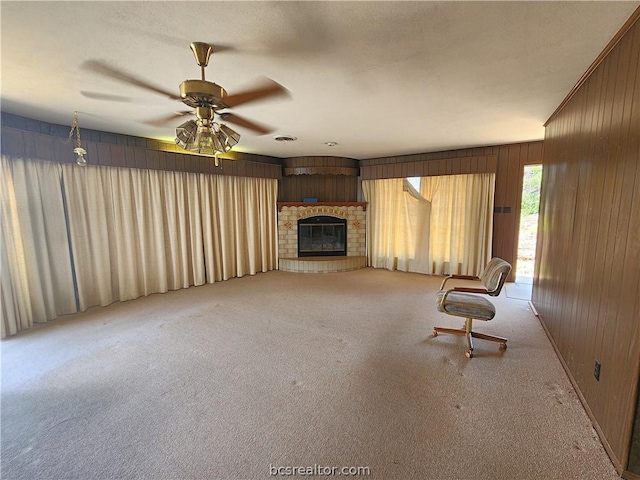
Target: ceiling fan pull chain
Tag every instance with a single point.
(75, 127)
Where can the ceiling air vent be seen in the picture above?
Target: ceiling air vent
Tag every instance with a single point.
(284, 138)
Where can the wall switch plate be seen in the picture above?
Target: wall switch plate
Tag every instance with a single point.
(596, 370)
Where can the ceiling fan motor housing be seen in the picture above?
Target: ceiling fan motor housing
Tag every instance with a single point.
(197, 93)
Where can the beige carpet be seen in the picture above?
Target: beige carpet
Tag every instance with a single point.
(283, 369)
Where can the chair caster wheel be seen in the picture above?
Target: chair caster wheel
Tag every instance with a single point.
(435, 333)
(503, 346)
(469, 354)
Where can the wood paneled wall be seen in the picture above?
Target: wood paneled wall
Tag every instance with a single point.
(326, 188)
(418, 166)
(507, 161)
(587, 279)
(26, 138)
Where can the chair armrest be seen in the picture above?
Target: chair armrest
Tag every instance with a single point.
(444, 298)
(470, 290)
(458, 277)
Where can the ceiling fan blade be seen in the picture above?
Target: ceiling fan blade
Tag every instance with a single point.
(164, 121)
(106, 70)
(268, 88)
(105, 96)
(218, 47)
(243, 122)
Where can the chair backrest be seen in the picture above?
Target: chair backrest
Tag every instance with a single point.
(494, 275)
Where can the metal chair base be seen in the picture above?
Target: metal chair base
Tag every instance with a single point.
(469, 334)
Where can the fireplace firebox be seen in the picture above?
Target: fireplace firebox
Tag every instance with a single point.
(322, 236)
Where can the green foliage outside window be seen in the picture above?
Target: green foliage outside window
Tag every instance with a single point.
(531, 190)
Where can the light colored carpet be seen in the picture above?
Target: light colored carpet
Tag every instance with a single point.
(287, 369)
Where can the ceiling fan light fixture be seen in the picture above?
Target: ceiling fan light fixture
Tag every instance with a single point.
(219, 143)
(205, 141)
(186, 134)
(230, 136)
(206, 137)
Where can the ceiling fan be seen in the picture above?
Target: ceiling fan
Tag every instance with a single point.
(204, 135)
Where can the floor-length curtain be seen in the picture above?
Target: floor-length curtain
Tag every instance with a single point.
(461, 221)
(36, 280)
(75, 237)
(133, 232)
(180, 200)
(239, 225)
(398, 226)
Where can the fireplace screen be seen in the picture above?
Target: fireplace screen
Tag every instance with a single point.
(322, 235)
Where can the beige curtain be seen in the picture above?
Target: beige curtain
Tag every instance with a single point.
(461, 222)
(36, 283)
(75, 237)
(398, 226)
(239, 225)
(133, 232)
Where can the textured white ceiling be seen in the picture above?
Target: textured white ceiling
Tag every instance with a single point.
(379, 78)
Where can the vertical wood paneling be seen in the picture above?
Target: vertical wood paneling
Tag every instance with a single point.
(587, 280)
(140, 158)
(91, 148)
(242, 169)
(628, 333)
(512, 190)
(130, 156)
(499, 201)
(173, 161)
(577, 249)
(483, 164)
(13, 143)
(27, 138)
(326, 188)
(162, 160)
(63, 152)
(44, 147)
(118, 158)
(104, 154)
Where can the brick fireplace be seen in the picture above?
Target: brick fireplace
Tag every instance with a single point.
(333, 214)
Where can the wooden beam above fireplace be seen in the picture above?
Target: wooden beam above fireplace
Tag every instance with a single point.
(322, 204)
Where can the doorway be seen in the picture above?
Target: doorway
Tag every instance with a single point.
(527, 236)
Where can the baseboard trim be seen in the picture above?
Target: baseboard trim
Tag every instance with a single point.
(614, 459)
(630, 475)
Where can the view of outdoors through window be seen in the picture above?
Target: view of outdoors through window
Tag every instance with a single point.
(528, 222)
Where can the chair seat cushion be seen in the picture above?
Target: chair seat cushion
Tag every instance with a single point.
(466, 305)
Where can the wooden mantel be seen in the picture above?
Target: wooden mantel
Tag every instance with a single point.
(322, 204)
